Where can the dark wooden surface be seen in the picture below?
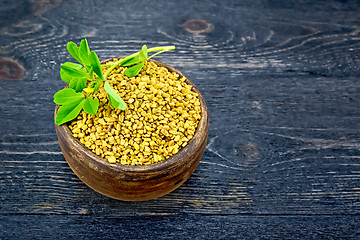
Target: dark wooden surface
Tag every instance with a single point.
(281, 82)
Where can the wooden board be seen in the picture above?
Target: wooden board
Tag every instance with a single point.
(179, 227)
(281, 82)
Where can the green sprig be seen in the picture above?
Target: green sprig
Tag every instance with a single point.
(133, 58)
(80, 97)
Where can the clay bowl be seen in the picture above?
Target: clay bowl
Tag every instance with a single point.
(135, 183)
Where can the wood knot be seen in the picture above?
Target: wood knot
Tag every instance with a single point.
(247, 150)
(197, 26)
(11, 70)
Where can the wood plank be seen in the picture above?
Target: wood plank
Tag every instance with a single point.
(280, 82)
(179, 227)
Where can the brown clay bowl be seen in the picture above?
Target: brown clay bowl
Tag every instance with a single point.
(135, 183)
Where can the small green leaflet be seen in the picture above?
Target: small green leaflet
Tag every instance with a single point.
(72, 103)
(134, 70)
(91, 105)
(69, 111)
(143, 55)
(81, 53)
(73, 65)
(74, 73)
(131, 61)
(73, 50)
(78, 84)
(95, 64)
(66, 71)
(84, 52)
(67, 96)
(73, 70)
(115, 100)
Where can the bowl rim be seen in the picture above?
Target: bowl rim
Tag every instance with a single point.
(164, 164)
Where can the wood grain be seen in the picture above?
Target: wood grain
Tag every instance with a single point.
(281, 82)
(181, 227)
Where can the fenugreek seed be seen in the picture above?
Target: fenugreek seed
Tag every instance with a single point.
(172, 131)
(110, 119)
(175, 150)
(159, 105)
(102, 121)
(111, 159)
(141, 148)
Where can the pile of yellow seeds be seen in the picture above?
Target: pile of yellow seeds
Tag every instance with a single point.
(162, 116)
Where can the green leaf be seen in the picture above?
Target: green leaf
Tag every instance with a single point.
(69, 111)
(143, 54)
(74, 65)
(78, 84)
(66, 96)
(115, 100)
(78, 77)
(84, 52)
(65, 76)
(134, 70)
(95, 64)
(72, 71)
(73, 50)
(131, 61)
(91, 105)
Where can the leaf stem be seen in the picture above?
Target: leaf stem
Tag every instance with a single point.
(156, 54)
